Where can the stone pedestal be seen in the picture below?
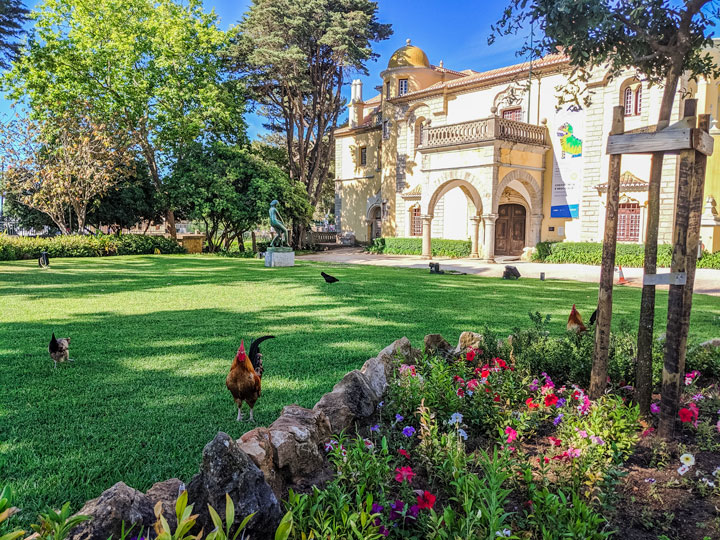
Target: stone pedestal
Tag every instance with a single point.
(279, 256)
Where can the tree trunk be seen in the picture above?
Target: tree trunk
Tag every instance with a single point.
(598, 378)
(643, 370)
(254, 241)
(672, 370)
(170, 224)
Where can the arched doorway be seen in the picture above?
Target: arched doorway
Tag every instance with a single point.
(510, 230)
(375, 223)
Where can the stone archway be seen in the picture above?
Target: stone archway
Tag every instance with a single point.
(442, 186)
(528, 187)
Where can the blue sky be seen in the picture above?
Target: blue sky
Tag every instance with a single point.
(454, 31)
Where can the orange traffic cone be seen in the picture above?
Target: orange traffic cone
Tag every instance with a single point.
(621, 279)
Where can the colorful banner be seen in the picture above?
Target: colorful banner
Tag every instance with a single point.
(567, 141)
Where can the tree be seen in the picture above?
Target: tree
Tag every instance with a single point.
(297, 55)
(153, 67)
(12, 18)
(661, 39)
(229, 189)
(68, 163)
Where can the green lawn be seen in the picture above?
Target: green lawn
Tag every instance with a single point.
(153, 338)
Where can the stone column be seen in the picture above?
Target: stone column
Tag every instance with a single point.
(535, 228)
(427, 237)
(489, 246)
(475, 237)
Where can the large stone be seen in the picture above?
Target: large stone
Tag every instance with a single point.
(277, 257)
(436, 345)
(378, 371)
(256, 444)
(468, 340)
(403, 350)
(167, 493)
(227, 469)
(119, 504)
(711, 343)
(351, 400)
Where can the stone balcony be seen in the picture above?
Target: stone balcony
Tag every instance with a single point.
(481, 131)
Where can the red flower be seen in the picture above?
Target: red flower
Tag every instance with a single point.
(426, 500)
(686, 415)
(550, 400)
(496, 398)
(485, 373)
(500, 362)
(529, 402)
(555, 441)
(458, 379)
(472, 384)
(576, 394)
(470, 355)
(460, 392)
(404, 473)
(404, 453)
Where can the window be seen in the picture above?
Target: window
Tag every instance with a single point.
(402, 87)
(387, 89)
(513, 114)
(363, 155)
(628, 102)
(415, 222)
(386, 129)
(638, 100)
(629, 222)
(419, 133)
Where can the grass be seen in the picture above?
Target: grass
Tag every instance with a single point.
(153, 338)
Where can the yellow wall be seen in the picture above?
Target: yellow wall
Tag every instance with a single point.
(355, 195)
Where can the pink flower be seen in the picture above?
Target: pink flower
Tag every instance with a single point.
(654, 408)
(404, 453)
(511, 434)
(472, 384)
(404, 473)
(555, 441)
(460, 392)
(582, 433)
(573, 452)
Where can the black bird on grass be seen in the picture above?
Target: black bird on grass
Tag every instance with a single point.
(256, 356)
(329, 278)
(593, 317)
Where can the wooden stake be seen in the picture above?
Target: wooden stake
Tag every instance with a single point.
(672, 373)
(598, 378)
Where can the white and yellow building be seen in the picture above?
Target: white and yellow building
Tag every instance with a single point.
(488, 156)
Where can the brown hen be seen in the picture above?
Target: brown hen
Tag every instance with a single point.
(243, 382)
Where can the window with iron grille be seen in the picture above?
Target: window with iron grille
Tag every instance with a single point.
(402, 87)
(363, 155)
(629, 222)
(513, 114)
(629, 102)
(415, 222)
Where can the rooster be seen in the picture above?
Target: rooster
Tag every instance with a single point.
(59, 349)
(256, 356)
(243, 382)
(575, 323)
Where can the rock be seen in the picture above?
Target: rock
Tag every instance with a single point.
(403, 350)
(119, 504)
(226, 468)
(711, 343)
(436, 345)
(351, 400)
(468, 340)
(256, 444)
(167, 493)
(377, 371)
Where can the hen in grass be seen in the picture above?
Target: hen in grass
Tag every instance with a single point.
(329, 278)
(59, 349)
(243, 382)
(256, 356)
(575, 322)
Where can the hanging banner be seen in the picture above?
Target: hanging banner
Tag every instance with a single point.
(567, 142)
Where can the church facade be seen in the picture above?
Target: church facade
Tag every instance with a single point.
(489, 156)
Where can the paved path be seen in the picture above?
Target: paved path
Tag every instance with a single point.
(706, 281)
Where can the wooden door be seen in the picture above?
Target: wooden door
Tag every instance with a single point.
(376, 224)
(510, 230)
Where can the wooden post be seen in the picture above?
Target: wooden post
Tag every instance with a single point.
(672, 370)
(598, 378)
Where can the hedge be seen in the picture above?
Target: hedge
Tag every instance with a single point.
(413, 246)
(628, 255)
(25, 247)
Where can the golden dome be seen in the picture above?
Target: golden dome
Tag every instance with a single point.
(409, 55)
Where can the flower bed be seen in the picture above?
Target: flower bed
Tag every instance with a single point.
(474, 447)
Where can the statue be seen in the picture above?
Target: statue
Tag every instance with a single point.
(276, 222)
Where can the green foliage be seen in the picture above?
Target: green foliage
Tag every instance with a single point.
(359, 464)
(7, 510)
(223, 531)
(542, 251)
(556, 517)
(56, 525)
(413, 246)
(185, 521)
(25, 247)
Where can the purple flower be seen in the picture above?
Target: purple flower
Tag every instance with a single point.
(654, 408)
(561, 402)
(376, 508)
(413, 511)
(396, 510)
(597, 440)
(558, 419)
(534, 385)
(408, 431)
(698, 397)
(381, 404)
(399, 418)
(384, 530)
(376, 427)
(650, 480)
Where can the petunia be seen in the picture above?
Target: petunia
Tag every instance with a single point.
(399, 417)
(404, 453)
(685, 415)
(460, 392)
(376, 427)
(550, 400)
(396, 510)
(708, 483)
(555, 441)
(408, 431)
(654, 408)
(698, 397)
(582, 433)
(533, 385)
(687, 460)
(404, 473)
(716, 472)
(485, 373)
(472, 384)
(384, 530)
(531, 404)
(597, 440)
(511, 434)
(683, 469)
(426, 501)
(413, 511)
(573, 452)
(470, 355)
(558, 419)
(376, 508)
(561, 402)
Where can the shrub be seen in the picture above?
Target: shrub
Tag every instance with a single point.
(18, 248)
(413, 246)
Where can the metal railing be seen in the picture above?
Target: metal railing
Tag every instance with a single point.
(486, 129)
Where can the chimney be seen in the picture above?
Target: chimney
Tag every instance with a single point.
(355, 109)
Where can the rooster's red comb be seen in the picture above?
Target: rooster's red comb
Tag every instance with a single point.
(241, 350)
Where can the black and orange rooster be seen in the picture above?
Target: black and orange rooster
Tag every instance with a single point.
(575, 322)
(256, 356)
(243, 382)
